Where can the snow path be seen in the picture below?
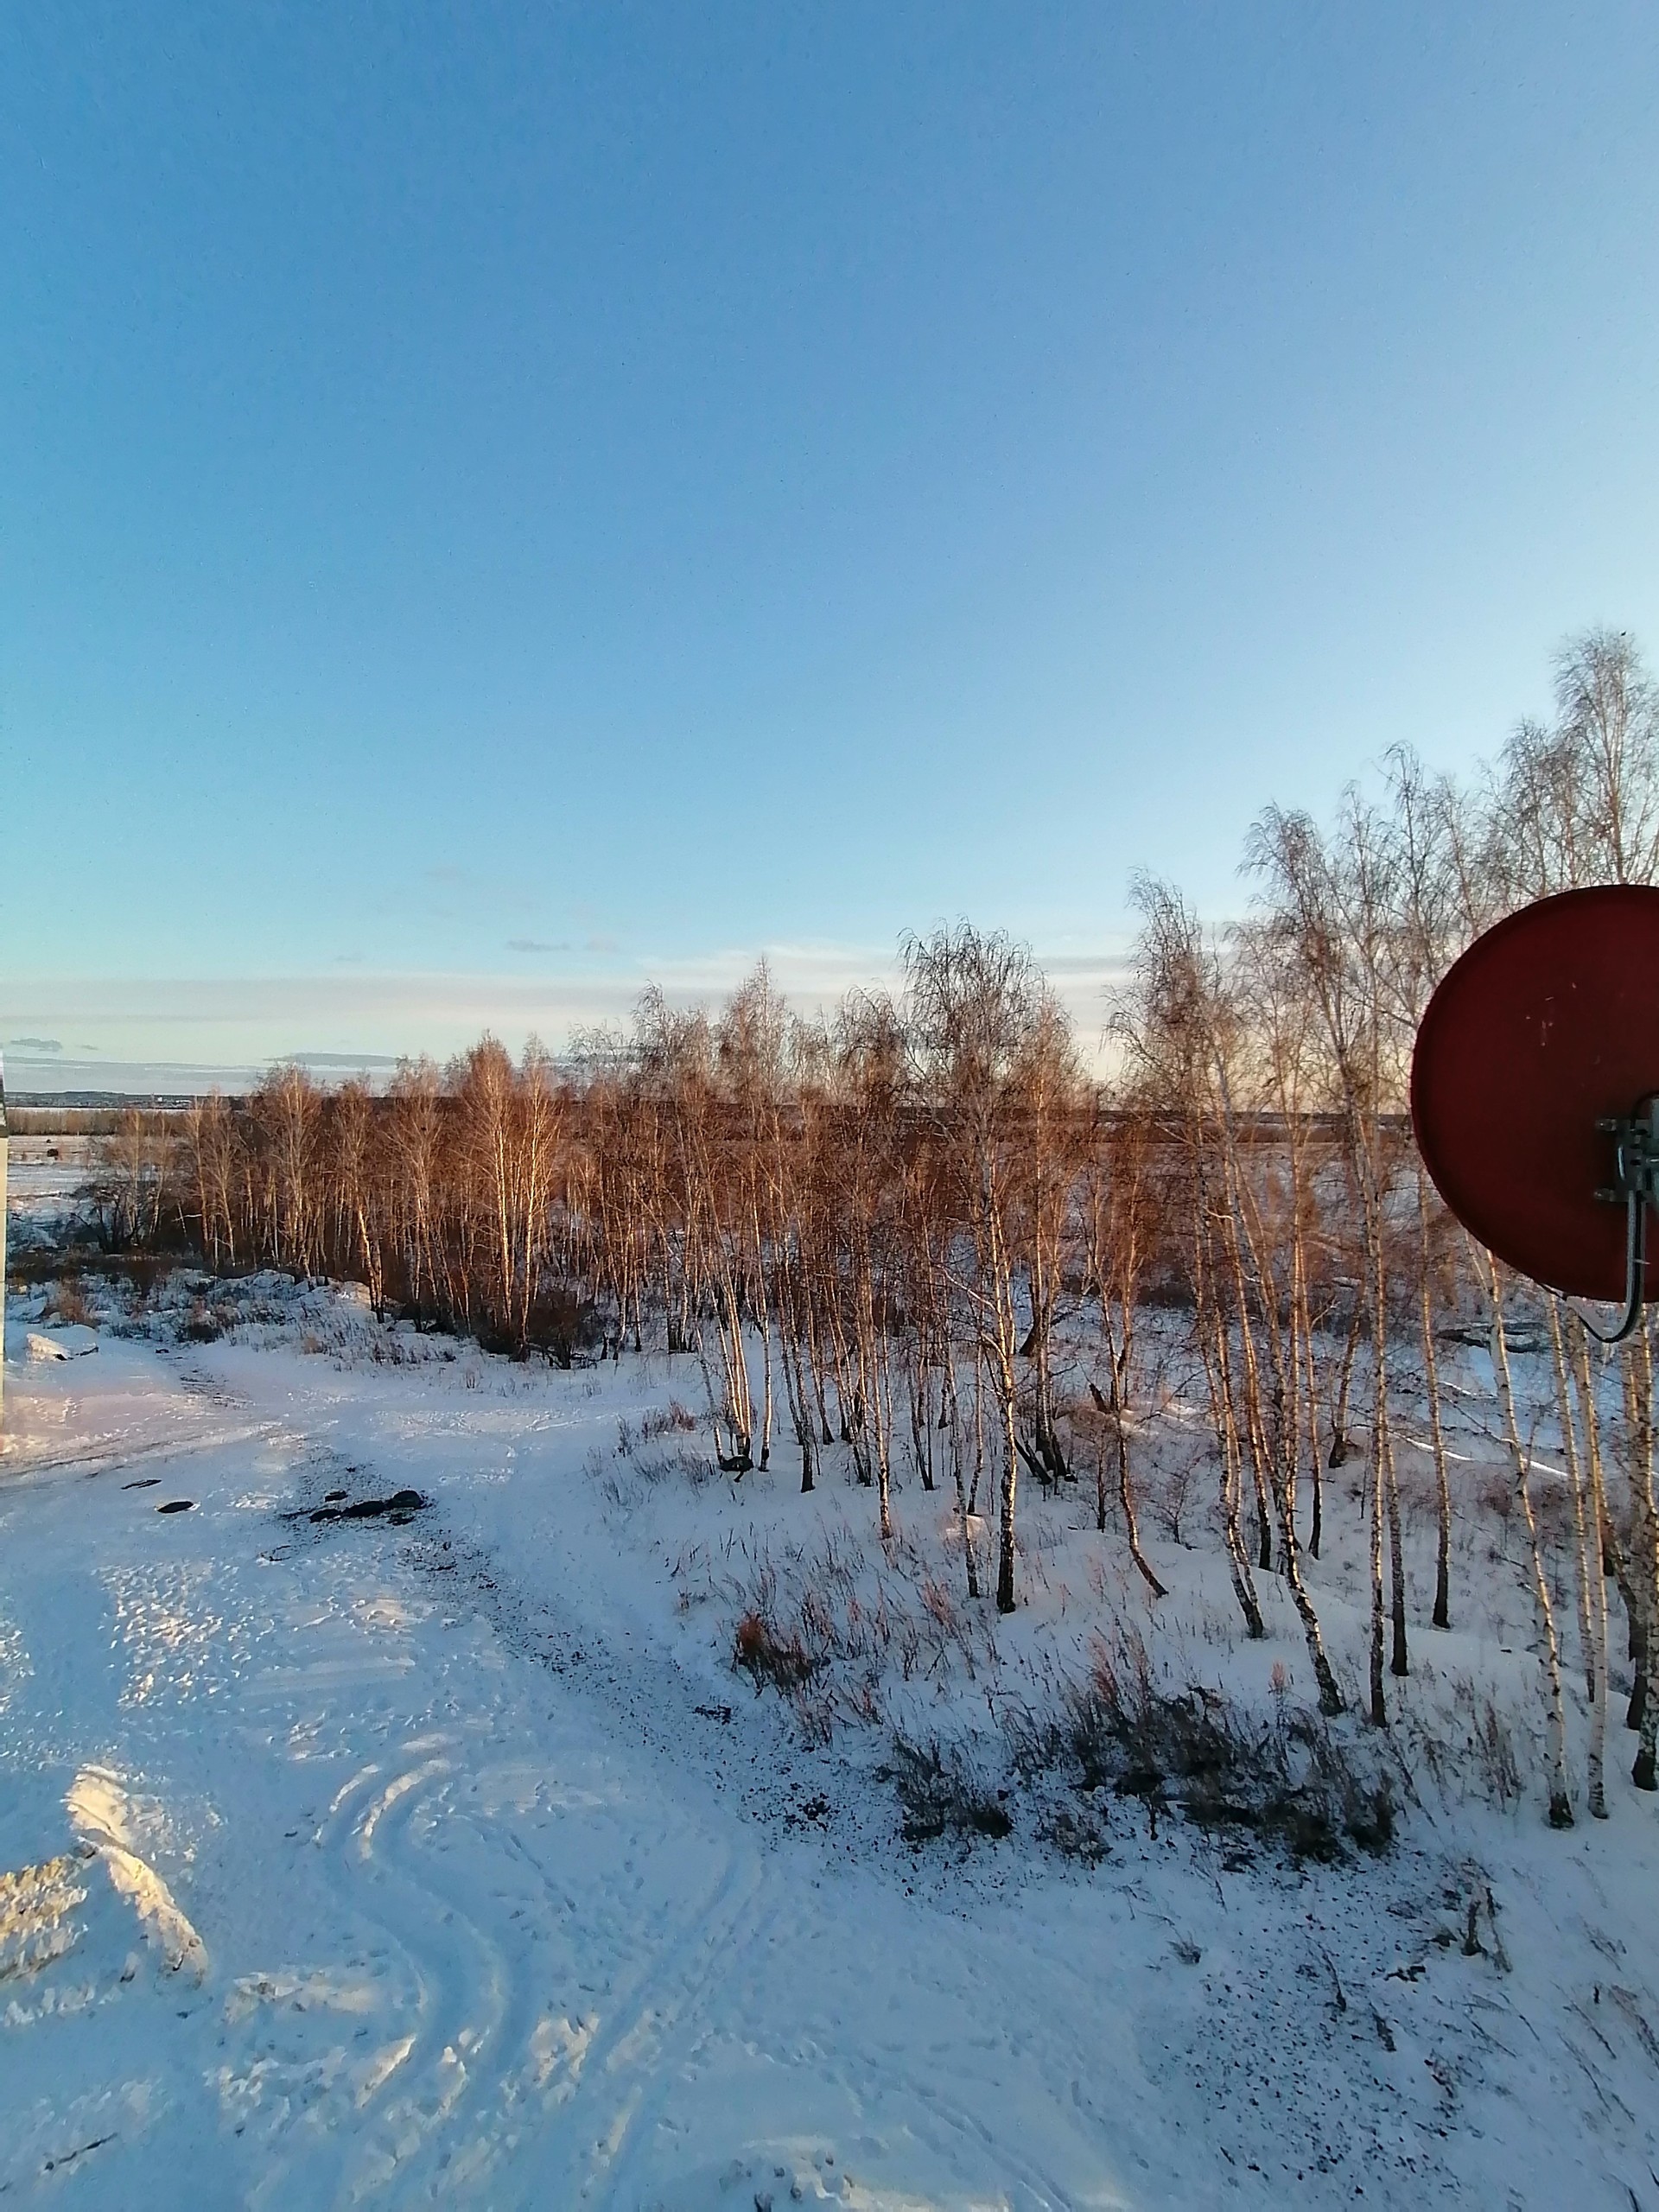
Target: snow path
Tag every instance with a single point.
(469, 1942)
(495, 1908)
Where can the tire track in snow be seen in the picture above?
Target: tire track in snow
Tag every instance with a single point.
(662, 2019)
(447, 2106)
(383, 1839)
(420, 2113)
(634, 2068)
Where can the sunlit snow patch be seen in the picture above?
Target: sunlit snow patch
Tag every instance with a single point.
(98, 1806)
(72, 1342)
(36, 1903)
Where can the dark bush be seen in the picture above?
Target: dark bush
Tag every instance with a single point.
(561, 1325)
(941, 1794)
(1289, 1779)
(202, 1326)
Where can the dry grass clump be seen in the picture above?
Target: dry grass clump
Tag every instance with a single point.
(66, 1301)
(942, 1794)
(768, 1657)
(660, 1421)
(1287, 1779)
(204, 1324)
(671, 1420)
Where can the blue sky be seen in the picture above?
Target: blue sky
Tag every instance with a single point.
(498, 504)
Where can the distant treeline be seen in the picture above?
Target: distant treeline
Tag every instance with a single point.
(27, 1120)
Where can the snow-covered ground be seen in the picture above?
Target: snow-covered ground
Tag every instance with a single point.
(445, 1857)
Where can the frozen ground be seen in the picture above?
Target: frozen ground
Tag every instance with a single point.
(449, 1860)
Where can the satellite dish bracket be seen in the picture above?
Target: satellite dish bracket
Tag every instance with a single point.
(1636, 1187)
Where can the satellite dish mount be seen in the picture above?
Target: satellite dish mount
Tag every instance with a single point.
(1635, 1186)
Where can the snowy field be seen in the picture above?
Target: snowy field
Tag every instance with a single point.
(444, 1856)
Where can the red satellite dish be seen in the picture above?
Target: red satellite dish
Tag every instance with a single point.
(1548, 1027)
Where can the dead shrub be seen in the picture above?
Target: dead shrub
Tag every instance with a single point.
(939, 1603)
(202, 1325)
(1494, 1753)
(766, 1656)
(1173, 1502)
(147, 1272)
(671, 1420)
(816, 1716)
(1285, 1779)
(1496, 1496)
(562, 1326)
(1078, 1833)
(1477, 1756)
(66, 1301)
(941, 1794)
(657, 1466)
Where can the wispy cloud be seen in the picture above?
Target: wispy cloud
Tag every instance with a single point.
(366, 1061)
(538, 945)
(345, 1019)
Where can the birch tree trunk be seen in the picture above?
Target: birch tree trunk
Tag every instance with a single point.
(1442, 1614)
(1561, 1802)
(1644, 1566)
(1600, 1625)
